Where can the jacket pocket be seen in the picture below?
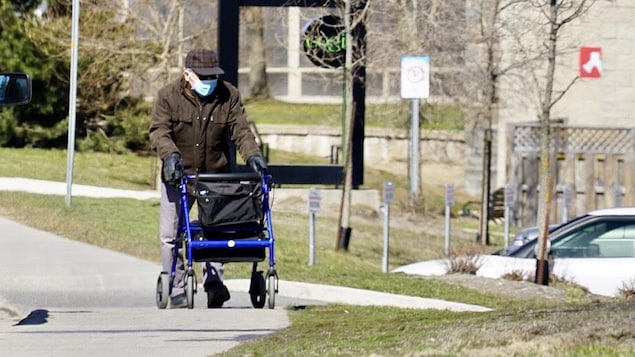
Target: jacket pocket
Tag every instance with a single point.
(177, 117)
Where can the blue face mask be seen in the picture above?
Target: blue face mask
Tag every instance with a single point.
(205, 87)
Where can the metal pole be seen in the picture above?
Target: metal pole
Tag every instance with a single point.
(447, 230)
(389, 196)
(314, 206)
(312, 239)
(506, 226)
(386, 209)
(414, 153)
(449, 201)
(72, 102)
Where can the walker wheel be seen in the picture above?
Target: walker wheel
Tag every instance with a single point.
(257, 290)
(190, 283)
(272, 290)
(163, 290)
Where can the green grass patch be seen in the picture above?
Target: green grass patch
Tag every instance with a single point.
(126, 171)
(514, 328)
(392, 115)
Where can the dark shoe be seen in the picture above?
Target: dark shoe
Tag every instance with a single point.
(217, 294)
(178, 302)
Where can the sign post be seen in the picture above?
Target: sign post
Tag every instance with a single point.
(72, 103)
(314, 207)
(389, 195)
(415, 84)
(449, 201)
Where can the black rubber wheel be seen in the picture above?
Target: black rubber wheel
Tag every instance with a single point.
(257, 290)
(271, 290)
(163, 290)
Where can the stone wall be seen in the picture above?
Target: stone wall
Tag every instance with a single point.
(383, 147)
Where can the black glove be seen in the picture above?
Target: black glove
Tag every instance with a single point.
(257, 163)
(173, 169)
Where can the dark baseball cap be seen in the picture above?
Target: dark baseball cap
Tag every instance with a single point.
(203, 62)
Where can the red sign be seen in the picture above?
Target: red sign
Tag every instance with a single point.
(590, 62)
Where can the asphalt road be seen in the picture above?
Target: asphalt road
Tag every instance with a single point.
(60, 297)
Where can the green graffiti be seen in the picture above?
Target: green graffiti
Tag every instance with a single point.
(329, 44)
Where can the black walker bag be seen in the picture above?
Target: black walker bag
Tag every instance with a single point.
(223, 204)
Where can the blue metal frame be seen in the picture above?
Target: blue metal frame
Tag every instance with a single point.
(187, 227)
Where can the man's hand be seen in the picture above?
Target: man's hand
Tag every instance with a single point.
(257, 163)
(173, 169)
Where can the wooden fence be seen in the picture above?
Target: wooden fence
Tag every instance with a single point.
(592, 168)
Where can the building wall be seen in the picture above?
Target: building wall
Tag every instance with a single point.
(605, 102)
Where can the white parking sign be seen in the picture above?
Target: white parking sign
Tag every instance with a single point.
(415, 77)
(314, 200)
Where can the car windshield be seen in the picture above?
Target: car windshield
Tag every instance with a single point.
(604, 238)
(527, 248)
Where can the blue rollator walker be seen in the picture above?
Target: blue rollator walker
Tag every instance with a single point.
(234, 225)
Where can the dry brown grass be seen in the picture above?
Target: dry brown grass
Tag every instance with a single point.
(516, 275)
(464, 264)
(627, 290)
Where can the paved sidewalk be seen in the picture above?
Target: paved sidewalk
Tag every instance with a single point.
(59, 188)
(297, 290)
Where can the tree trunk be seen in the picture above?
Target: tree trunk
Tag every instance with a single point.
(546, 183)
(258, 86)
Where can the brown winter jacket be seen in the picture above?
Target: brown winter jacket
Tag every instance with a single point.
(199, 130)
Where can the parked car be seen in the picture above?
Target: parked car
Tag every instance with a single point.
(595, 250)
(15, 88)
(523, 236)
(601, 233)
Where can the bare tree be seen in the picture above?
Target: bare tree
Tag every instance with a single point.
(529, 35)
(485, 97)
(484, 75)
(518, 40)
(557, 15)
(254, 19)
(410, 27)
(168, 29)
(413, 27)
(355, 13)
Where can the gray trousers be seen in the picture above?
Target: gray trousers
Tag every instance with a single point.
(168, 224)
